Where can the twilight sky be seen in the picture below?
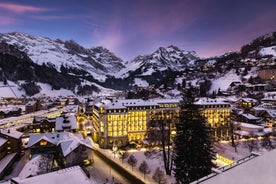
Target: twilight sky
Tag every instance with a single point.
(136, 27)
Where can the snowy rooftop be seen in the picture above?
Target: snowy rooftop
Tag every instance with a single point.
(71, 175)
(2, 141)
(34, 166)
(210, 101)
(167, 100)
(250, 117)
(66, 121)
(248, 125)
(71, 108)
(258, 170)
(11, 132)
(68, 141)
(124, 103)
(6, 160)
(249, 100)
(30, 103)
(272, 113)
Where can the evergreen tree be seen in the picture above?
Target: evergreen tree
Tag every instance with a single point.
(132, 161)
(159, 176)
(123, 155)
(192, 143)
(144, 168)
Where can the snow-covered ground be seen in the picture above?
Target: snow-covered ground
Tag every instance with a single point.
(224, 81)
(153, 162)
(223, 148)
(46, 90)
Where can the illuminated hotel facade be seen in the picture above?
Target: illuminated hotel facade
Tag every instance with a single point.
(217, 114)
(118, 122)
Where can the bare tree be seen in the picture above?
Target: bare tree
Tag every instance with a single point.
(160, 132)
(266, 142)
(251, 144)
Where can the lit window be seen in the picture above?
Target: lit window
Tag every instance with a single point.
(43, 143)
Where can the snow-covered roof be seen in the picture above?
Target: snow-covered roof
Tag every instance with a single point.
(271, 98)
(249, 100)
(68, 120)
(6, 160)
(272, 113)
(124, 103)
(167, 100)
(242, 132)
(258, 170)
(250, 117)
(33, 167)
(210, 101)
(71, 108)
(249, 125)
(67, 140)
(2, 141)
(11, 132)
(30, 103)
(70, 175)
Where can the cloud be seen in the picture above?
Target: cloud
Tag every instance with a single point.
(17, 8)
(7, 21)
(52, 17)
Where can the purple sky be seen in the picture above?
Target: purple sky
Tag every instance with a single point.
(137, 27)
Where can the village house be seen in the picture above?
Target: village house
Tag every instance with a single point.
(42, 125)
(66, 122)
(248, 103)
(32, 106)
(247, 129)
(72, 149)
(249, 118)
(13, 136)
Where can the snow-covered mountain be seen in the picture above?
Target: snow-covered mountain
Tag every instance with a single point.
(39, 65)
(171, 58)
(97, 62)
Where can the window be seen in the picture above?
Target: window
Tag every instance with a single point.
(43, 143)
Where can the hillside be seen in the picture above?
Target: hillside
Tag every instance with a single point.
(31, 65)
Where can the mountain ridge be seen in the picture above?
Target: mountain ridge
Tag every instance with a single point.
(96, 67)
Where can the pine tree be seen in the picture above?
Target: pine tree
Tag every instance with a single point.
(123, 155)
(132, 161)
(159, 176)
(192, 143)
(144, 168)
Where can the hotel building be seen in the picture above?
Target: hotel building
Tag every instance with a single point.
(118, 122)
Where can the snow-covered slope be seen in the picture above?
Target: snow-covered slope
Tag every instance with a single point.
(268, 51)
(97, 61)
